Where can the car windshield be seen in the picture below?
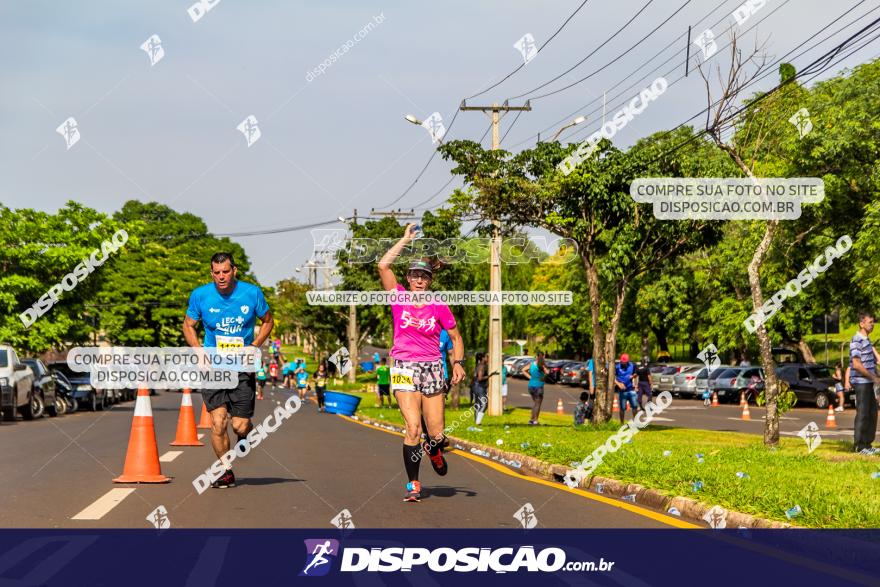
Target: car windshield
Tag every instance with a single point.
(704, 372)
(4, 358)
(821, 372)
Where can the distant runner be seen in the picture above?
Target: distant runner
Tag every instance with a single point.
(416, 368)
(321, 383)
(302, 379)
(383, 382)
(228, 310)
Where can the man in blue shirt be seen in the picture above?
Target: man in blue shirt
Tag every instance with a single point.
(624, 373)
(863, 377)
(228, 310)
(445, 347)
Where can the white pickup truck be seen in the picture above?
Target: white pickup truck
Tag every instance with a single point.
(16, 386)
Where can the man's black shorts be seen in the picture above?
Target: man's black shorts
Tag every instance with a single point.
(239, 401)
(384, 389)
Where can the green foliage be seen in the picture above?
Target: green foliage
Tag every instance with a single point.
(37, 249)
(785, 398)
(144, 297)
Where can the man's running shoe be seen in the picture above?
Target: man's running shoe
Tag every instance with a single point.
(437, 460)
(413, 491)
(227, 480)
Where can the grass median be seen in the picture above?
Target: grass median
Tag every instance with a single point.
(833, 487)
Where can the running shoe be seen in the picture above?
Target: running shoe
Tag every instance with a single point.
(413, 491)
(838, 409)
(227, 480)
(437, 460)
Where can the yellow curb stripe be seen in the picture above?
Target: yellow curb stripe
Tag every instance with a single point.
(560, 487)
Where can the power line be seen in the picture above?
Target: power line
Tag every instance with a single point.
(826, 57)
(593, 52)
(547, 42)
(755, 25)
(613, 61)
(660, 52)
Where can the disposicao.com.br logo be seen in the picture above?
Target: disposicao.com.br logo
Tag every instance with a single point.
(441, 560)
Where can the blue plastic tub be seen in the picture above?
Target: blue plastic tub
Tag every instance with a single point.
(367, 366)
(336, 402)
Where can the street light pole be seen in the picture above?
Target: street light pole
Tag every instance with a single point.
(495, 407)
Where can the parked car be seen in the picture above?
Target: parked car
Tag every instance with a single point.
(86, 396)
(16, 387)
(518, 366)
(554, 370)
(811, 382)
(44, 387)
(726, 384)
(510, 361)
(664, 380)
(706, 379)
(749, 381)
(684, 383)
(572, 373)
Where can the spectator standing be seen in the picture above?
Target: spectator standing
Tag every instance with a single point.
(536, 371)
(646, 384)
(624, 372)
(481, 387)
(863, 376)
(838, 387)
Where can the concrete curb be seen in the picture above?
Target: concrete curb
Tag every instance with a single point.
(691, 509)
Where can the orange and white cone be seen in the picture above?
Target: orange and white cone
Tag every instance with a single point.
(830, 421)
(745, 414)
(142, 457)
(186, 423)
(205, 419)
(560, 409)
(615, 407)
(714, 399)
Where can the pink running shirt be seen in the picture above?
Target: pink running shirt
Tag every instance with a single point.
(417, 330)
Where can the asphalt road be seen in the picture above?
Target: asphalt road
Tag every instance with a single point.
(314, 466)
(691, 413)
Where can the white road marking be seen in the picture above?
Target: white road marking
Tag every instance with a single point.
(104, 504)
(741, 420)
(659, 419)
(170, 456)
(201, 436)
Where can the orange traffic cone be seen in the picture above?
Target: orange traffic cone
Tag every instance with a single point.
(830, 421)
(745, 414)
(205, 419)
(186, 423)
(615, 407)
(142, 458)
(560, 409)
(714, 399)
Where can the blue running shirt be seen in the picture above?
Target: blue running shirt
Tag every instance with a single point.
(228, 319)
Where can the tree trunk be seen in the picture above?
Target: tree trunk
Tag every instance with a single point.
(611, 342)
(806, 351)
(645, 345)
(771, 383)
(603, 398)
(660, 335)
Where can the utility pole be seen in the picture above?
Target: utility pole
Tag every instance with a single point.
(352, 325)
(495, 341)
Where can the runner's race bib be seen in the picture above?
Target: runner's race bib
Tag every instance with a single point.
(228, 344)
(402, 379)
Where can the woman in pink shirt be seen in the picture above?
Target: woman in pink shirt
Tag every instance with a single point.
(416, 366)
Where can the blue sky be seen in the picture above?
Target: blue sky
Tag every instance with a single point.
(168, 133)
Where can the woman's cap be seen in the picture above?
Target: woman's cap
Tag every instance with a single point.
(421, 266)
